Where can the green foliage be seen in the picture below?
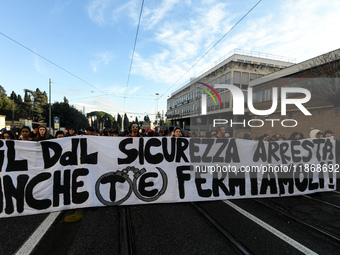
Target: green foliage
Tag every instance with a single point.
(34, 105)
(6, 104)
(102, 119)
(36, 108)
(119, 121)
(68, 116)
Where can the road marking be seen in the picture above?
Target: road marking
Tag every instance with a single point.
(274, 231)
(38, 234)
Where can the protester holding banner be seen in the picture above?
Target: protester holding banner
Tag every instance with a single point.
(8, 135)
(42, 133)
(329, 133)
(220, 132)
(59, 134)
(133, 130)
(177, 132)
(26, 134)
(296, 136)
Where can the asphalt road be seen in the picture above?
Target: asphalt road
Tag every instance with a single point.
(263, 226)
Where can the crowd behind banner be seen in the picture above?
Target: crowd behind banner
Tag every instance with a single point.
(41, 132)
(45, 175)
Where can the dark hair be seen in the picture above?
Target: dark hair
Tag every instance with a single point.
(115, 132)
(10, 133)
(59, 132)
(328, 132)
(292, 136)
(130, 126)
(246, 136)
(45, 137)
(263, 136)
(25, 127)
(105, 133)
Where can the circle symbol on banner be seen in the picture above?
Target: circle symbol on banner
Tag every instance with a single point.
(122, 174)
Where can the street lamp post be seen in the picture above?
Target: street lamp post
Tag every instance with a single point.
(157, 94)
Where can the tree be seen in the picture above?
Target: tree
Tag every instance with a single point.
(39, 104)
(119, 121)
(6, 105)
(159, 119)
(325, 76)
(28, 105)
(14, 97)
(101, 120)
(126, 121)
(68, 116)
(146, 118)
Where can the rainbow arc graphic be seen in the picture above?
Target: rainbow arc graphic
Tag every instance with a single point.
(209, 93)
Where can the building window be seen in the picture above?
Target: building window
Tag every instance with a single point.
(245, 80)
(258, 97)
(267, 95)
(226, 99)
(237, 79)
(228, 78)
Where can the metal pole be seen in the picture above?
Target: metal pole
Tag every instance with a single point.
(13, 112)
(50, 110)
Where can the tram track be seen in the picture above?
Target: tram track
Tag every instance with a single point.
(300, 221)
(126, 242)
(237, 245)
(321, 201)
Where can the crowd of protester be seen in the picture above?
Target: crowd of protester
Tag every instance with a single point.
(41, 132)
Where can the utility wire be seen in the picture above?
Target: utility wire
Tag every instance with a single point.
(51, 62)
(208, 51)
(134, 48)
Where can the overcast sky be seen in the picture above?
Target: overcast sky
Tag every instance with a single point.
(85, 47)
